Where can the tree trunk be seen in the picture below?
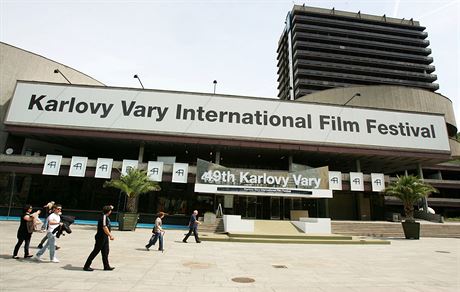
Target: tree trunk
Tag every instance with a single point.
(409, 211)
(131, 204)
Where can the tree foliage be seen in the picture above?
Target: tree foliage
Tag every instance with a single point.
(409, 189)
(134, 183)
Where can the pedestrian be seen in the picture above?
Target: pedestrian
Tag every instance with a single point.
(54, 220)
(102, 237)
(193, 227)
(158, 233)
(47, 210)
(24, 234)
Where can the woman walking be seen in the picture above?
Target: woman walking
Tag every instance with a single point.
(158, 233)
(23, 234)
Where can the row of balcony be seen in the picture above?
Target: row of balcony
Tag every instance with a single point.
(357, 79)
(349, 50)
(356, 24)
(363, 70)
(298, 27)
(361, 43)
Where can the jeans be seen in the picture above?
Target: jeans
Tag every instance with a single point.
(51, 244)
(156, 236)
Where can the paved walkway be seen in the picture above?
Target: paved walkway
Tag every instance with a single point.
(428, 264)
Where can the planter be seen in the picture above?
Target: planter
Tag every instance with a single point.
(411, 229)
(127, 221)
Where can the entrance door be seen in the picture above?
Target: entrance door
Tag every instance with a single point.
(275, 208)
(251, 207)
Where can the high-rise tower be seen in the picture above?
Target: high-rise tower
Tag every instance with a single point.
(325, 48)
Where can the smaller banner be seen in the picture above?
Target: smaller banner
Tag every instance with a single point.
(335, 180)
(155, 170)
(52, 165)
(104, 168)
(180, 172)
(217, 179)
(356, 181)
(128, 164)
(78, 166)
(378, 182)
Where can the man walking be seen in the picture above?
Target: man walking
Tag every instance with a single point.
(193, 227)
(102, 237)
(54, 220)
(158, 233)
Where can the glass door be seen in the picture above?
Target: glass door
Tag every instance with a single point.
(275, 206)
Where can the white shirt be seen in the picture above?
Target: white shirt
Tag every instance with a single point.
(55, 218)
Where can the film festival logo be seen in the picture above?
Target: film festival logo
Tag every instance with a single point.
(180, 172)
(78, 166)
(378, 182)
(357, 181)
(335, 180)
(155, 170)
(104, 167)
(52, 164)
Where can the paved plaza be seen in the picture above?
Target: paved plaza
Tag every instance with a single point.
(428, 264)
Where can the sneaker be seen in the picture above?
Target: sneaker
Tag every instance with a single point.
(57, 247)
(109, 269)
(16, 257)
(199, 241)
(55, 260)
(88, 269)
(28, 256)
(184, 241)
(38, 258)
(147, 247)
(40, 246)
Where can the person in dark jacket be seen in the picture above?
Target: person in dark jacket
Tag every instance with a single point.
(193, 227)
(23, 234)
(102, 237)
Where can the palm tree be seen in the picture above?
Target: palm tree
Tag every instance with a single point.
(133, 183)
(409, 189)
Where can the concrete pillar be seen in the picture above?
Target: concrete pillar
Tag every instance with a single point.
(424, 200)
(140, 157)
(217, 161)
(290, 159)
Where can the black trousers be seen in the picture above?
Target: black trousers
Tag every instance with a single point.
(101, 245)
(195, 233)
(23, 238)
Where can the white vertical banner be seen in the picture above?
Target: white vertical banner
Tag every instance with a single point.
(128, 164)
(78, 166)
(228, 201)
(180, 172)
(52, 165)
(356, 181)
(378, 182)
(335, 180)
(155, 170)
(104, 168)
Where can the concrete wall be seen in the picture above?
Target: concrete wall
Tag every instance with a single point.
(389, 97)
(18, 64)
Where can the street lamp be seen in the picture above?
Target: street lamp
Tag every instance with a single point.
(58, 71)
(137, 77)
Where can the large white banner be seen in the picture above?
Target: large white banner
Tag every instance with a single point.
(155, 170)
(180, 173)
(146, 111)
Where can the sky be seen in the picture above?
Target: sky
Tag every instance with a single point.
(186, 45)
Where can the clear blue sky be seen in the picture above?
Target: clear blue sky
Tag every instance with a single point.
(185, 45)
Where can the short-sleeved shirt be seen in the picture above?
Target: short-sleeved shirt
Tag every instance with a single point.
(157, 226)
(103, 221)
(192, 223)
(55, 218)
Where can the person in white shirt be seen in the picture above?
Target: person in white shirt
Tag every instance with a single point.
(54, 220)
